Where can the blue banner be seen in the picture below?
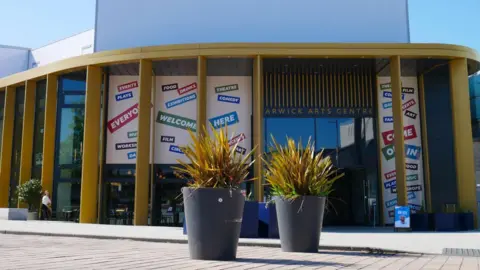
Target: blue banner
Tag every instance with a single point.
(225, 119)
(229, 99)
(181, 100)
(132, 155)
(123, 96)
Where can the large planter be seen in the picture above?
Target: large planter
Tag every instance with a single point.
(32, 216)
(214, 218)
(300, 223)
(446, 222)
(420, 222)
(250, 220)
(466, 221)
(267, 221)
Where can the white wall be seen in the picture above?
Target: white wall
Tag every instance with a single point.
(126, 23)
(76, 45)
(12, 60)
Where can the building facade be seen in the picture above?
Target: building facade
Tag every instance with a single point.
(103, 130)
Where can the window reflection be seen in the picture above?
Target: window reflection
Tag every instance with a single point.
(38, 130)
(17, 143)
(71, 136)
(68, 201)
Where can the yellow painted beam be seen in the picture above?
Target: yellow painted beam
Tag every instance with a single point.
(7, 145)
(426, 158)
(143, 143)
(91, 146)
(50, 121)
(102, 145)
(27, 134)
(338, 50)
(395, 73)
(258, 126)
(462, 135)
(202, 94)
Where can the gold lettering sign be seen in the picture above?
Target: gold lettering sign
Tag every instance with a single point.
(318, 112)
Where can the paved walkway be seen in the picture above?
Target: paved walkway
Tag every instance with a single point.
(340, 238)
(43, 252)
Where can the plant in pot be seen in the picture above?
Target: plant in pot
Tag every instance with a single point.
(30, 193)
(300, 181)
(213, 200)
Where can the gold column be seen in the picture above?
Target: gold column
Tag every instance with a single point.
(426, 159)
(462, 135)
(49, 132)
(258, 125)
(91, 146)
(395, 73)
(102, 145)
(143, 143)
(7, 144)
(202, 94)
(27, 134)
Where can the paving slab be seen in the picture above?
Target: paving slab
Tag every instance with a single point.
(378, 239)
(47, 252)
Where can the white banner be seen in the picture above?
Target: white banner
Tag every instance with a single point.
(122, 120)
(229, 103)
(413, 145)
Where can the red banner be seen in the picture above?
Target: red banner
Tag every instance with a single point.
(122, 119)
(127, 86)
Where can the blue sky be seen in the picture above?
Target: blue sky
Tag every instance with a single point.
(39, 22)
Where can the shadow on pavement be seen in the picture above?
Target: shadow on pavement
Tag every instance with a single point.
(289, 262)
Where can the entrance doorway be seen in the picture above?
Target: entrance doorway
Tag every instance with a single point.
(168, 207)
(348, 204)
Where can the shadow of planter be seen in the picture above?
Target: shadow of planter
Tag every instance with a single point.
(267, 221)
(446, 222)
(250, 220)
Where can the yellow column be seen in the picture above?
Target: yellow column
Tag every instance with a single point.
(7, 144)
(462, 135)
(91, 149)
(202, 94)
(143, 143)
(395, 73)
(258, 125)
(426, 159)
(49, 132)
(27, 137)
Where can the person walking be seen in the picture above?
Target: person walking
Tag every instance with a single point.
(46, 206)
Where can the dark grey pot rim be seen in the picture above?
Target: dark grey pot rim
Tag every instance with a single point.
(298, 198)
(209, 188)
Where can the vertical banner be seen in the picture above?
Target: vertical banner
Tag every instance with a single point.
(122, 120)
(413, 146)
(175, 114)
(229, 100)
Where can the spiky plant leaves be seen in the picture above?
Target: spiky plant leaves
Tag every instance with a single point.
(293, 171)
(214, 163)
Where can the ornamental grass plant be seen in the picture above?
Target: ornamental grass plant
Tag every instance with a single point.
(293, 171)
(214, 161)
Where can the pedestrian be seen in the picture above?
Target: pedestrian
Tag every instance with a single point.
(46, 204)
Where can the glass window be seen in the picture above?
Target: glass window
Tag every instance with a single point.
(69, 173)
(77, 84)
(120, 201)
(71, 136)
(295, 128)
(38, 130)
(68, 201)
(17, 143)
(74, 99)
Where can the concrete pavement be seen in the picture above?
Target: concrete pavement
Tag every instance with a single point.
(331, 238)
(44, 252)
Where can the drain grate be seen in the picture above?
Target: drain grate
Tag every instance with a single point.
(465, 252)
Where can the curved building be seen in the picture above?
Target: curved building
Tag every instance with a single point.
(102, 130)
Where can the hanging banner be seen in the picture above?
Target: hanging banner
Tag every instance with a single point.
(413, 146)
(122, 120)
(229, 100)
(175, 114)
